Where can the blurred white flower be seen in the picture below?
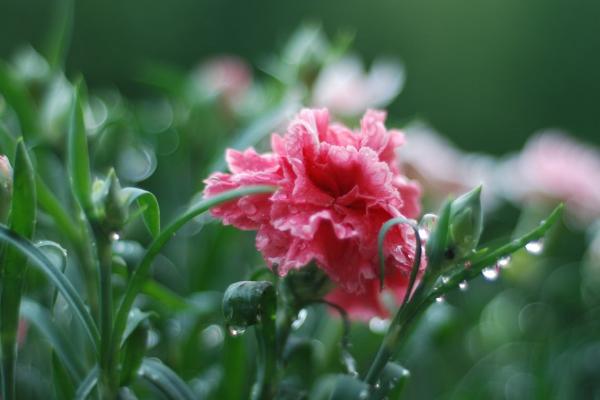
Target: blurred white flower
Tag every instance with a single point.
(443, 169)
(345, 88)
(554, 167)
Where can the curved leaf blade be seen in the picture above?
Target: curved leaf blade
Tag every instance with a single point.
(14, 264)
(88, 384)
(148, 206)
(164, 379)
(40, 261)
(41, 319)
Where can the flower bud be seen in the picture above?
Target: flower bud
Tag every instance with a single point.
(466, 222)
(304, 285)
(246, 303)
(6, 183)
(109, 204)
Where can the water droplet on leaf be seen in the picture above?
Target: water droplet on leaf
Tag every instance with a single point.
(504, 262)
(299, 321)
(535, 247)
(115, 236)
(378, 325)
(490, 273)
(463, 286)
(440, 299)
(236, 330)
(427, 225)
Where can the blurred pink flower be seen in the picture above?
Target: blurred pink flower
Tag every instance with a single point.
(555, 167)
(337, 187)
(442, 169)
(227, 76)
(347, 90)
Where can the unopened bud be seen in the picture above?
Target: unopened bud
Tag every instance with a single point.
(466, 222)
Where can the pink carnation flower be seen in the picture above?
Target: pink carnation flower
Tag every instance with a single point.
(554, 167)
(337, 187)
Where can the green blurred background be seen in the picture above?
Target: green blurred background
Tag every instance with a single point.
(486, 73)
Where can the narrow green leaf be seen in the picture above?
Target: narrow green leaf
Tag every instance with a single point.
(136, 317)
(17, 95)
(59, 37)
(22, 220)
(63, 385)
(40, 261)
(165, 380)
(23, 210)
(8, 143)
(87, 385)
(78, 155)
(148, 206)
(39, 317)
(134, 346)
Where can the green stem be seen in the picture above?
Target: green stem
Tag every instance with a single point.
(136, 283)
(396, 332)
(10, 300)
(107, 376)
(265, 386)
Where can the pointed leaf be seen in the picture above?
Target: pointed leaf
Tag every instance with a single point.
(40, 261)
(78, 155)
(16, 94)
(22, 220)
(136, 317)
(165, 380)
(148, 206)
(87, 385)
(63, 384)
(41, 319)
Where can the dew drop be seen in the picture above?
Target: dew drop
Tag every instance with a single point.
(535, 247)
(300, 319)
(236, 330)
(379, 325)
(445, 279)
(115, 236)
(440, 299)
(427, 225)
(504, 262)
(423, 234)
(490, 273)
(463, 286)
